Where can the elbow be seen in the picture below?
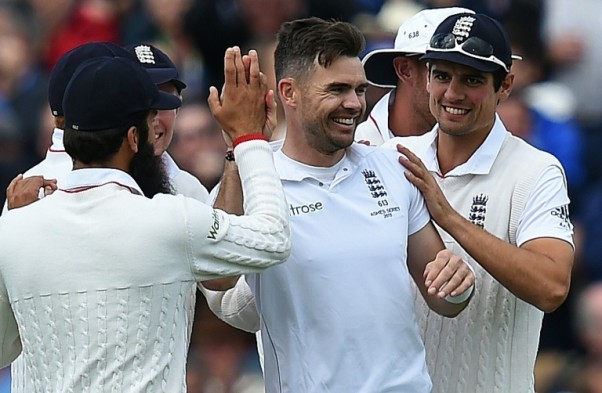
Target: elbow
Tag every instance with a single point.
(554, 298)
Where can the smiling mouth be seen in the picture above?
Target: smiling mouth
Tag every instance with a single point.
(455, 111)
(344, 121)
(159, 135)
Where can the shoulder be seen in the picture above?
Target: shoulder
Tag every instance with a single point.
(415, 143)
(520, 152)
(188, 185)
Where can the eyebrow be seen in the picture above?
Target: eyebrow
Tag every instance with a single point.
(344, 85)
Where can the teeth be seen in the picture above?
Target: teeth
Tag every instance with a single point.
(456, 111)
(342, 120)
(157, 136)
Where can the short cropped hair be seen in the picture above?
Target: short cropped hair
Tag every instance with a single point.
(92, 147)
(302, 41)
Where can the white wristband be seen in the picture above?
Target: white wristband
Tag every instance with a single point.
(464, 295)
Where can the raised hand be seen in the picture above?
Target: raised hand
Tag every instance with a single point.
(241, 108)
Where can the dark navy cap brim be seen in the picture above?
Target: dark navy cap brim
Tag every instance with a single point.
(165, 101)
(459, 58)
(164, 75)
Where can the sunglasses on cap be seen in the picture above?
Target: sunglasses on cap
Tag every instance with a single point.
(473, 47)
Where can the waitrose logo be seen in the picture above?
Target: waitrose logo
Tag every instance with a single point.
(306, 209)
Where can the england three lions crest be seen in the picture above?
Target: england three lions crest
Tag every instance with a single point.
(377, 190)
(478, 210)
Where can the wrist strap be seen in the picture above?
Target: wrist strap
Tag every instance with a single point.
(248, 137)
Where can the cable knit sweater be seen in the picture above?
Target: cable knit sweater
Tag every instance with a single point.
(491, 346)
(97, 282)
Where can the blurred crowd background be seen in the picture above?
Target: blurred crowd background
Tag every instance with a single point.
(556, 106)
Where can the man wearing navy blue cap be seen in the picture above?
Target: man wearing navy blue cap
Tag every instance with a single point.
(165, 75)
(57, 162)
(110, 306)
(498, 202)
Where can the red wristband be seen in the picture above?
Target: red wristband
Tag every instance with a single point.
(249, 137)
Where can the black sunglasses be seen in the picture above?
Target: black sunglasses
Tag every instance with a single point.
(473, 47)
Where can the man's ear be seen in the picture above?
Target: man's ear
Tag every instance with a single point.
(506, 87)
(288, 92)
(133, 138)
(402, 67)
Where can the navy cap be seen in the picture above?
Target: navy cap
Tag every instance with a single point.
(110, 92)
(158, 65)
(68, 63)
(473, 40)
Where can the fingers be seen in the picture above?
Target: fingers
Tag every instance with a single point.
(213, 100)
(246, 61)
(447, 275)
(270, 101)
(11, 186)
(230, 66)
(50, 186)
(271, 115)
(254, 74)
(409, 159)
(240, 67)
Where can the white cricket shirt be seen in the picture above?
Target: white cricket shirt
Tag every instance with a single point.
(338, 316)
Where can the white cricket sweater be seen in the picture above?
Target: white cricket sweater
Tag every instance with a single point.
(99, 280)
(492, 345)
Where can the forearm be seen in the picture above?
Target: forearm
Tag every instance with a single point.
(261, 237)
(538, 272)
(235, 306)
(229, 197)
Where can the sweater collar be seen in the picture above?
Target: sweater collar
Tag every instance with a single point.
(86, 178)
(57, 141)
(482, 159)
(170, 165)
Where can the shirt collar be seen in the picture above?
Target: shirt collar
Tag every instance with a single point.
(482, 159)
(288, 169)
(170, 165)
(85, 178)
(57, 141)
(380, 115)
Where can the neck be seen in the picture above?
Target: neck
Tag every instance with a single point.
(108, 165)
(296, 147)
(404, 118)
(455, 150)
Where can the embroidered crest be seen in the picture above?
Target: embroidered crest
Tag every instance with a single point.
(377, 190)
(462, 27)
(144, 54)
(478, 210)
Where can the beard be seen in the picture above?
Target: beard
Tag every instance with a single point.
(149, 172)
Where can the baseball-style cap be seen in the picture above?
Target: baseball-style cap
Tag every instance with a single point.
(158, 65)
(65, 67)
(412, 38)
(473, 40)
(110, 92)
